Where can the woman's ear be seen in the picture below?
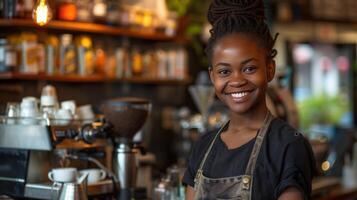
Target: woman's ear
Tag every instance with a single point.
(210, 71)
(271, 70)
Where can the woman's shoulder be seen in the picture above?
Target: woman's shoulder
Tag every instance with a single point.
(281, 133)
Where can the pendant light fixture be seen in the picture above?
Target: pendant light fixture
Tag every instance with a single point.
(42, 13)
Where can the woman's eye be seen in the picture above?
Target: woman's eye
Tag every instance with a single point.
(223, 72)
(249, 70)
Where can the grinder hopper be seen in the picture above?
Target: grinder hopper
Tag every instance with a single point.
(127, 115)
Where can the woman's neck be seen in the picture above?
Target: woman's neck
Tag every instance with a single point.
(253, 119)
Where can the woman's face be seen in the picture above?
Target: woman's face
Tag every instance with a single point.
(240, 72)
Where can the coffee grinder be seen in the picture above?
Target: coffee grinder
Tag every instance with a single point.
(127, 116)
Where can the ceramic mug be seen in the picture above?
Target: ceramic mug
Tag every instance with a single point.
(94, 175)
(29, 110)
(63, 117)
(85, 113)
(69, 105)
(63, 175)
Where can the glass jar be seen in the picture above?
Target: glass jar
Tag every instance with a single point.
(99, 11)
(11, 57)
(28, 7)
(84, 8)
(20, 9)
(67, 10)
(67, 55)
(137, 62)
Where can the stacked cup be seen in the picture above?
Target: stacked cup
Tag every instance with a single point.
(29, 110)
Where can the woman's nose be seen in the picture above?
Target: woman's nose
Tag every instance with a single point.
(237, 80)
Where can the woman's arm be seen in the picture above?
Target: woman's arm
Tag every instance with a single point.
(190, 193)
(291, 193)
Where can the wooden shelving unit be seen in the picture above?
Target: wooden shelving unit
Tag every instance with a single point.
(88, 28)
(91, 78)
(91, 28)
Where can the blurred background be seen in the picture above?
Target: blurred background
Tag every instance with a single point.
(94, 50)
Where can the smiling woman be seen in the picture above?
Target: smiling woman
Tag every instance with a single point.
(240, 73)
(253, 155)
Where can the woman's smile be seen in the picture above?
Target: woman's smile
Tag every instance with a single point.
(240, 96)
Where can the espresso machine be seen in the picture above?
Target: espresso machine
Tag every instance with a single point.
(26, 152)
(126, 116)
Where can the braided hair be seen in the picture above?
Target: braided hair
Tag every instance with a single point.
(240, 16)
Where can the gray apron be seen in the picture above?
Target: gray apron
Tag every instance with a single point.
(235, 187)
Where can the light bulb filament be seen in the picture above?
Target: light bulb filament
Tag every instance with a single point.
(42, 13)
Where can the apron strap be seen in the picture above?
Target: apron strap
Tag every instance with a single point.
(258, 143)
(199, 171)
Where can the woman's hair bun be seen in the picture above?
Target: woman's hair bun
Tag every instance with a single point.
(220, 9)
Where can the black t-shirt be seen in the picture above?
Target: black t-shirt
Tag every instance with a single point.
(285, 160)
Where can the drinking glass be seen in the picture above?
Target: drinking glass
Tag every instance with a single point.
(12, 112)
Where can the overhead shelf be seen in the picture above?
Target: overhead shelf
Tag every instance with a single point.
(88, 28)
(91, 78)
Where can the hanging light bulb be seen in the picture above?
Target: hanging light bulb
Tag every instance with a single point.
(41, 13)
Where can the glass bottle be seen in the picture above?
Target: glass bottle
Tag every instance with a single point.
(3, 43)
(67, 55)
(28, 7)
(113, 12)
(137, 62)
(9, 8)
(11, 57)
(20, 9)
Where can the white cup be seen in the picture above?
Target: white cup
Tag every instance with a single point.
(69, 105)
(63, 175)
(29, 110)
(85, 113)
(94, 175)
(28, 107)
(48, 101)
(63, 116)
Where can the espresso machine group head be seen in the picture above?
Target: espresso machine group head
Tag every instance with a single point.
(127, 116)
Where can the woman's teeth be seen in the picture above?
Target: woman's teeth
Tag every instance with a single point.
(239, 94)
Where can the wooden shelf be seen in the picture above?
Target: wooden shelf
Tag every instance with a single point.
(88, 28)
(91, 78)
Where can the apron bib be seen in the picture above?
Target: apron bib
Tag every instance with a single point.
(235, 187)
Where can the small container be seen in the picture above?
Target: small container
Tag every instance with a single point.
(48, 107)
(11, 57)
(137, 62)
(84, 8)
(67, 10)
(28, 7)
(113, 15)
(20, 9)
(99, 11)
(162, 190)
(3, 43)
(12, 112)
(29, 110)
(67, 55)
(9, 9)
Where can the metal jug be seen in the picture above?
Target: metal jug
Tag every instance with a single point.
(76, 190)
